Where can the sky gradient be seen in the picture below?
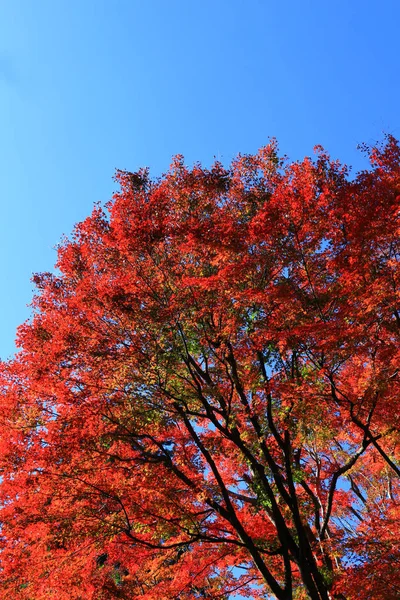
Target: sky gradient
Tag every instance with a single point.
(88, 86)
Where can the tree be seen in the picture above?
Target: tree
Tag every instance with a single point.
(206, 399)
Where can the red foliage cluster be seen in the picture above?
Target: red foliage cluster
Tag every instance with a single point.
(206, 400)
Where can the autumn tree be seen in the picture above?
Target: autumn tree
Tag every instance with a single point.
(205, 402)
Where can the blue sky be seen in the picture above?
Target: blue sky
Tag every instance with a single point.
(87, 86)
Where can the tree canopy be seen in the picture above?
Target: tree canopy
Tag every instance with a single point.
(205, 402)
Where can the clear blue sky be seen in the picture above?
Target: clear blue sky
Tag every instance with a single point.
(87, 86)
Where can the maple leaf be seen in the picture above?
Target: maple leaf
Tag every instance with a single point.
(205, 400)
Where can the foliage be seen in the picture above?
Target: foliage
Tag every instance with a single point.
(206, 399)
